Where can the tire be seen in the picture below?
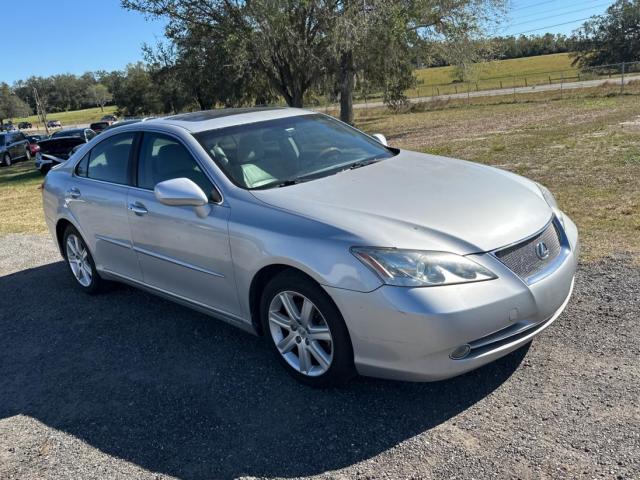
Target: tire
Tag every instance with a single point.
(7, 159)
(306, 351)
(27, 154)
(83, 269)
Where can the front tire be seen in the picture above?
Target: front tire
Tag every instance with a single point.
(80, 262)
(306, 331)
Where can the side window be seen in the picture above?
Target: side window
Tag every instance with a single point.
(109, 159)
(163, 158)
(90, 134)
(81, 167)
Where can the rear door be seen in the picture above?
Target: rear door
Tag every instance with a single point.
(179, 252)
(97, 198)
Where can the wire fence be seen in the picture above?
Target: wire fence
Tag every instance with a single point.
(558, 80)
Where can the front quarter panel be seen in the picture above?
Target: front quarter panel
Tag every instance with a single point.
(261, 236)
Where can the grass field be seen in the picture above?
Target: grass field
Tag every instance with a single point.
(69, 119)
(20, 199)
(585, 147)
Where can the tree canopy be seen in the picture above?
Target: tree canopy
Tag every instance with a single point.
(613, 37)
(301, 45)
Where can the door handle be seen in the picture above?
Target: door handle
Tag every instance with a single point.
(73, 192)
(138, 208)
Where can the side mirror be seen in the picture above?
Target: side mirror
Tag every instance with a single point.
(182, 192)
(381, 138)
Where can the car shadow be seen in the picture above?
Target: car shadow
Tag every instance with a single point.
(179, 393)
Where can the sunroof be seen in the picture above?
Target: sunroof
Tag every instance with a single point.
(218, 113)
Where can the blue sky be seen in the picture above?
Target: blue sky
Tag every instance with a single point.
(75, 36)
(540, 16)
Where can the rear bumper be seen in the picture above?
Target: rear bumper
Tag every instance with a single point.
(410, 333)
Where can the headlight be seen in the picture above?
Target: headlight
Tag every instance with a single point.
(415, 268)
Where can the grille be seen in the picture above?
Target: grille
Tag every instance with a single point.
(522, 258)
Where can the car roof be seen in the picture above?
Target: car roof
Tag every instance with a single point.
(228, 117)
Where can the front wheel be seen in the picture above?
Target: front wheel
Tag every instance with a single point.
(81, 262)
(306, 331)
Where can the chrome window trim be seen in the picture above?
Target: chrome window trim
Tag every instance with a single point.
(135, 132)
(191, 152)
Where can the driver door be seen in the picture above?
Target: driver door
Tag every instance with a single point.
(179, 252)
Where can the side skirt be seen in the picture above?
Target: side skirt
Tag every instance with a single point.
(200, 307)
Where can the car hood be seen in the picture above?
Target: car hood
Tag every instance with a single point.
(421, 201)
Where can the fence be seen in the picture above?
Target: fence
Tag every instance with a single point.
(558, 80)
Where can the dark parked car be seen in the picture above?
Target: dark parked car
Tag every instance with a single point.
(54, 124)
(13, 145)
(60, 146)
(100, 126)
(7, 127)
(24, 125)
(109, 118)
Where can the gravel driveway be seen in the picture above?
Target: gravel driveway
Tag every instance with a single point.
(126, 385)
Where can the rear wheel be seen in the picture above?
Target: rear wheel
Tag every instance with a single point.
(7, 159)
(81, 262)
(306, 331)
(27, 154)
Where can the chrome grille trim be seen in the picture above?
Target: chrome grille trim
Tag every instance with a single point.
(521, 257)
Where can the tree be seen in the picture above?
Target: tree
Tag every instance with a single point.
(99, 94)
(297, 44)
(136, 93)
(11, 106)
(613, 37)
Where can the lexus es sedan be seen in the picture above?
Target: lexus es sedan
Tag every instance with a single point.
(347, 255)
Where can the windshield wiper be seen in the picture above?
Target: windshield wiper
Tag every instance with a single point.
(362, 163)
(287, 183)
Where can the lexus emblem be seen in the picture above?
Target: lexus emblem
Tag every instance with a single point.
(542, 251)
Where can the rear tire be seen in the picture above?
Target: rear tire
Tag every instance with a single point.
(27, 154)
(7, 159)
(306, 331)
(80, 262)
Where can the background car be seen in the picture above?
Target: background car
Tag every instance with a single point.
(60, 146)
(7, 127)
(33, 143)
(25, 125)
(13, 146)
(100, 126)
(54, 124)
(109, 118)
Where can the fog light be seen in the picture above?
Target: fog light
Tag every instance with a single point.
(460, 352)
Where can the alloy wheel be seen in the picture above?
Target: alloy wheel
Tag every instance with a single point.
(300, 333)
(7, 160)
(78, 258)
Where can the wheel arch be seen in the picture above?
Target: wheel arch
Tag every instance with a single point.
(260, 281)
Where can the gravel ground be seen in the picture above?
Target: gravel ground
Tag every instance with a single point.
(126, 385)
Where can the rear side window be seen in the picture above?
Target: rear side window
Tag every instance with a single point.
(81, 167)
(109, 160)
(164, 158)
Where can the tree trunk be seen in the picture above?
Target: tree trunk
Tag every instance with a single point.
(347, 80)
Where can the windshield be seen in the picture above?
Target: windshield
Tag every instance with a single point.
(276, 153)
(68, 133)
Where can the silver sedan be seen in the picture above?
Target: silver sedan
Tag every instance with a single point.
(347, 255)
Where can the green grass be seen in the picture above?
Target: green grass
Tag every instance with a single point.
(21, 205)
(69, 119)
(496, 74)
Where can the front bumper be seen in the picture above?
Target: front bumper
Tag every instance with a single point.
(410, 333)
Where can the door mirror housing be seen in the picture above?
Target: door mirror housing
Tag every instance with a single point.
(381, 138)
(179, 192)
